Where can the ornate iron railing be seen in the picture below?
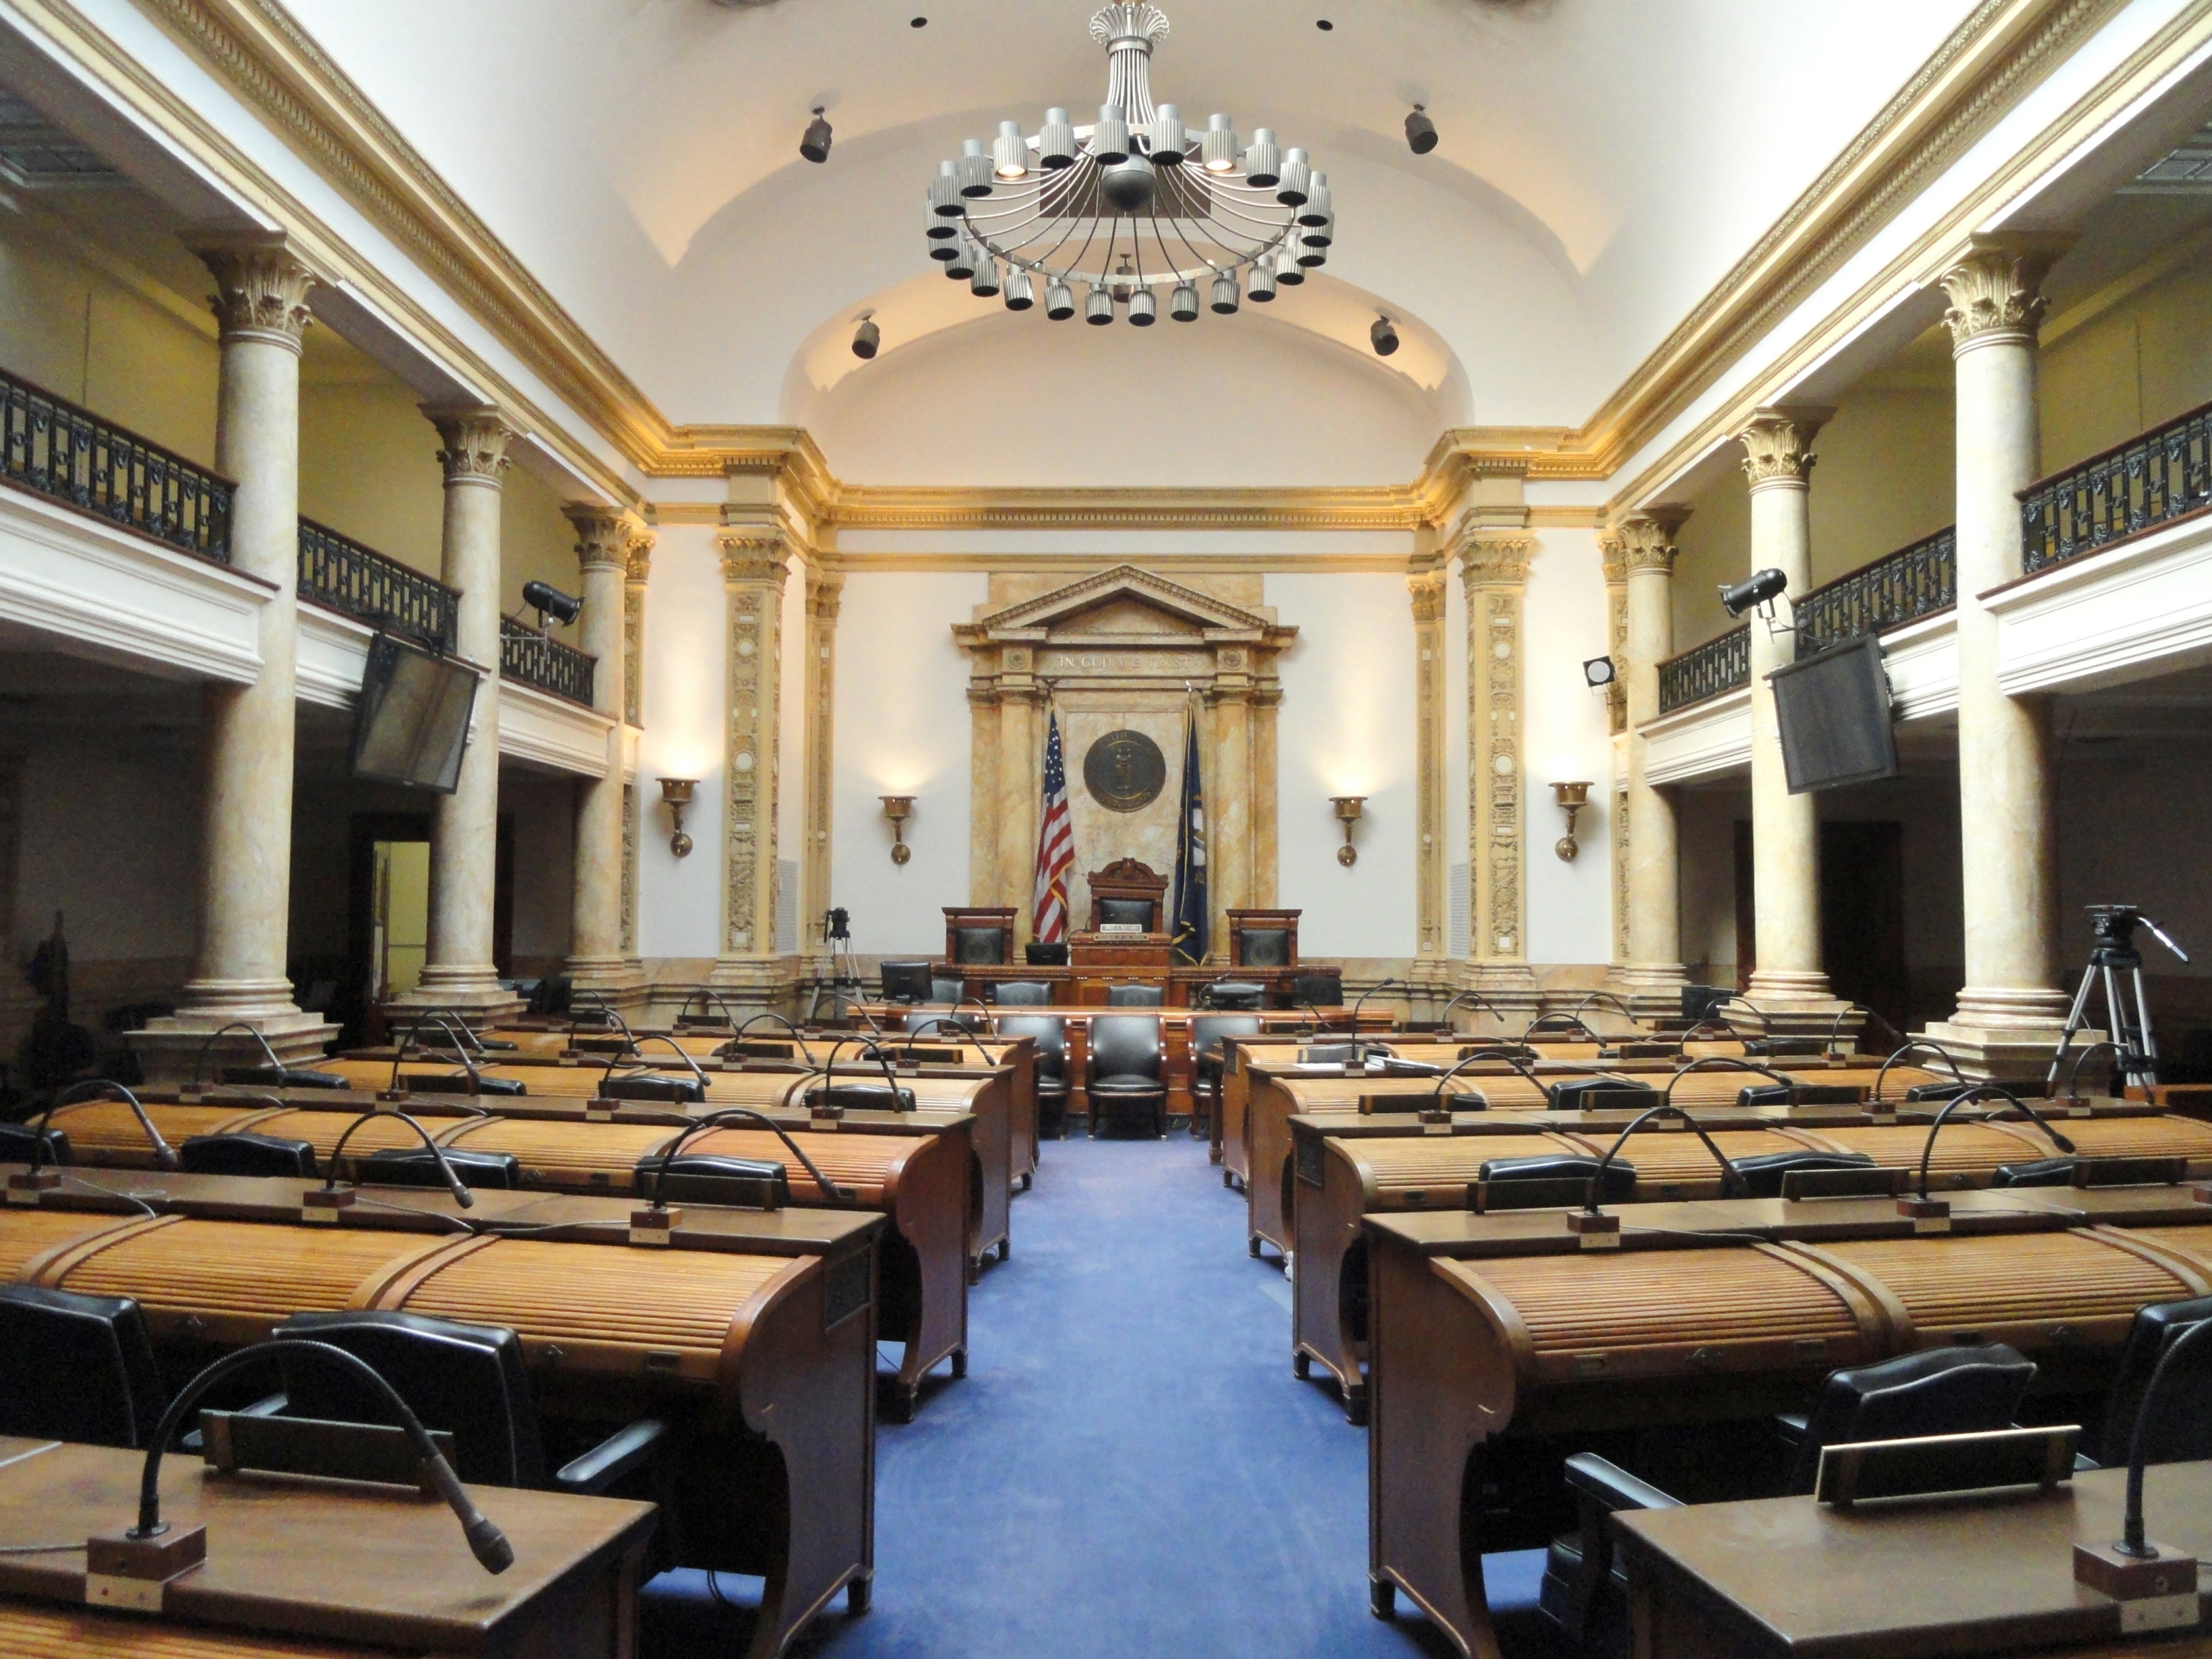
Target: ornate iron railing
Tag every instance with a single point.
(1705, 670)
(1914, 582)
(2140, 484)
(339, 573)
(53, 448)
(526, 655)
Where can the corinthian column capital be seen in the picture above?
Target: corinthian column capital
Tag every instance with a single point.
(603, 535)
(1648, 538)
(261, 288)
(1777, 445)
(751, 555)
(1427, 591)
(638, 556)
(1490, 559)
(1995, 291)
(825, 594)
(1613, 553)
(473, 441)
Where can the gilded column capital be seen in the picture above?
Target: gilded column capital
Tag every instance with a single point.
(1427, 591)
(1777, 445)
(825, 594)
(602, 535)
(1489, 559)
(1647, 538)
(261, 288)
(475, 438)
(637, 556)
(1995, 291)
(751, 556)
(1613, 554)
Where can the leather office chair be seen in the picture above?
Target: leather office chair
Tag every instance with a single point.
(947, 990)
(942, 1024)
(1233, 996)
(1206, 1032)
(413, 1166)
(2184, 1432)
(471, 1381)
(1124, 912)
(1127, 1076)
(1024, 993)
(239, 1154)
(74, 1367)
(1317, 989)
(1050, 1033)
(19, 1144)
(1134, 996)
(1051, 955)
(1958, 1391)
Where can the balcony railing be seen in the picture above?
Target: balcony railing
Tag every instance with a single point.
(1912, 582)
(528, 656)
(53, 448)
(1705, 670)
(2139, 485)
(339, 573)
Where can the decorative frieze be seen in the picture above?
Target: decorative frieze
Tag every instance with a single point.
(825, 594)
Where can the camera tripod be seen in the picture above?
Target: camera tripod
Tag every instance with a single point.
(2114, 953)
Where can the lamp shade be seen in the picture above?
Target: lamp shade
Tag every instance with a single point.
(1018, 296)
(1056, 143)
(1183, 304)
(1318, 205)
(1098, 309)
(962, 266)
(1263, 162)
(974, 169)
(984, 285)
(1225, 294)
(1167, 137)
(945, 192)
(1109, 139)
(1059, 302)
(1261, 289)
(1291, 188)
(1010, 152)
(1144, 309)
(1219, 150)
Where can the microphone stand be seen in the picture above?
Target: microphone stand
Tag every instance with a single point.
(2132, 1568)
(454, 1185)
(1729, 1177)
(199, 1060)
(165, 1155)
(1926, 1207)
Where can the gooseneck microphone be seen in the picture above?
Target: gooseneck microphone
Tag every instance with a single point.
(1985, 1091)
(462, 1195)
(486, 1541)
(1730, 1176)
(2132, 1542)
(165, 1155)
(728, 1117)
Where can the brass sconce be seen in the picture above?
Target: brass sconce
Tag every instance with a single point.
(1348, 808)
(676, 796)
(896, 809)
(1572, 798)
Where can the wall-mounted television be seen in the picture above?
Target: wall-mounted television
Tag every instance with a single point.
(1835, 714)
(411, 722)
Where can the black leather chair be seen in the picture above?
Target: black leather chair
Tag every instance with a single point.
(1265, 947)
(413, 1166)
(1052, 955)
(947, 990)
(1206, 1032)
(240, 1154)
(1957, 1390)
(1134, 996)
(942, 1024)
(1128, 1078)
(1316, 989)
(2183, 1430)
(74, 1367)
(471, 1381)
(1049, 1032)
(19, 1144)
(1023, 993)
(1233, 996)
(1123, 912)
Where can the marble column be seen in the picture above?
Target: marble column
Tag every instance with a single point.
(1225, 773)
(754, 567)
(1494, 570)
(1651, 978)
(1433, 942)
(458, 971)
(825, 591)
(2011, 1007)
(1612, 555)
(247, 736)
(1785, 829)
(596, 959)
(638, 562)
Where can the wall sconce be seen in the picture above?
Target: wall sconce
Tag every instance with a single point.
(1572, 798)
(1348, 808)
(896, 809)
(676, 796)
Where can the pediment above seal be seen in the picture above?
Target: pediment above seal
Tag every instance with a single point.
(1122, 602)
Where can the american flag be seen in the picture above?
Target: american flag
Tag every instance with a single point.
(1056, 846)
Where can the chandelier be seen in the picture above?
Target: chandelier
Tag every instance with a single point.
(1131, 207)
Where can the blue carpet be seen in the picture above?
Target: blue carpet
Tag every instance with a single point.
(1129, 1467)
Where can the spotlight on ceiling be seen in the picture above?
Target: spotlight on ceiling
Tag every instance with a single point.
(549, 601)
(1383, 335)
(1761, 589)
(866, 337)
(1421, 132)
(815, 146)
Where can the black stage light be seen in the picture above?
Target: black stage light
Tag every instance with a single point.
(1421, 132)
(1385, 337)
(1761, 589)
(815, 146)
(548, 600)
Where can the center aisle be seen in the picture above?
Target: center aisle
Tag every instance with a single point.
(1129, 1468)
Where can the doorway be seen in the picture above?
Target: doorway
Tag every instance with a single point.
(399, 917)
(389, 910)
(1861, 914)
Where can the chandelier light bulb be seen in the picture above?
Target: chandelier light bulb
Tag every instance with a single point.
(1382, 336)
(1098, 309)
(985, 284)
(1421, 132)
(1318, 207)
(1009, 155)
(1224, 294)
(867, 338)
(1263, 162)
(815, 146)
(1321, 235)
(938, 230)
(1017, 290)
(1059, 302)
(1292, 190)
(1261, 288)
(945, 192)
(1183, 304)
(1219, 150)
(1109, 139)
(1144, 309)
(1168, 138)
(1288, 274)
(974, 169)
(963, 263)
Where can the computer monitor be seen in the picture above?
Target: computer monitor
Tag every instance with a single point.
(411, 720)
(906, 982)
(1834, 713)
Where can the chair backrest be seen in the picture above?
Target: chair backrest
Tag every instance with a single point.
(1134, 996)
(947, 990)
(1265, 947)
(1125, 1045)
(1960, 1390)
(413, 1166)
(76, 1367)
(1232, 993)
(469, 1380)
(983, 947)
(1053, 954)
(1318, 989)
(1123, 911)
(1207, 1030)
(238, 1154)
(19, 1144)
(2183, 1430)
(1024, 993)
(1050, 1033)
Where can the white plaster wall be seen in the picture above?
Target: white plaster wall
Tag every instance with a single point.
(1345, 727)
(685, 620)
(1563, 738)
(903, 729)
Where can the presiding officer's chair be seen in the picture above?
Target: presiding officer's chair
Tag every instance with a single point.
(1049, 1032)
(1127, 1075)
(77, 1367)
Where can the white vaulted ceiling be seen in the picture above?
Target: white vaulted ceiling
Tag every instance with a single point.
(1603, 164)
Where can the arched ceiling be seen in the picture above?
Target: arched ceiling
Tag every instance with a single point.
(1603, 164)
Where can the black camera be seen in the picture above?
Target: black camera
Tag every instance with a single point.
(838, 924)
(2112, 927)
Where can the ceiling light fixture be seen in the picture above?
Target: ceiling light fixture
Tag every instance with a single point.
(1134, 207)
(1421, 132)
(867, 338)
(815, 146)
(1383, 335)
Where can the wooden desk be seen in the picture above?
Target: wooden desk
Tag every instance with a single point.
(753, 1360)
(1486, 1327)
(330, 1562)
(1784, 1576)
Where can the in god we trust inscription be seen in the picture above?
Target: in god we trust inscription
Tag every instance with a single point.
(1124, 771)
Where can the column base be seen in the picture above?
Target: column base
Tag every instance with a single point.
(2004, 1055)
(1797, 1004)
(616, 981)
(172, 1051)
(1511, 987)
(470, 988)
(752, 985)
(1652, 990)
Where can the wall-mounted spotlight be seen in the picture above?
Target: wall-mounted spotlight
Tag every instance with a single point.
(1760, 589)
(551, 604)
(676, 796)
(1348, 809)
(1383, 335)
(1421, 132)
(898, 809)
(866, 337)
(815, 146)
(1599, 672)
(1571, 798)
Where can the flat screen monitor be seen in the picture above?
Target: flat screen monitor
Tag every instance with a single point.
(411, 720)
(906, 982)
(1833, 711)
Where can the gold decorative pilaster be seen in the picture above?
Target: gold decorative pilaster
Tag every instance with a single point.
(824, 593)
(753, 571)
(638, 569)
(1426, 587)
(1494, 568)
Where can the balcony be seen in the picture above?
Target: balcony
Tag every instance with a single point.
(527, 656)
(2129, 490)
(341, 574)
